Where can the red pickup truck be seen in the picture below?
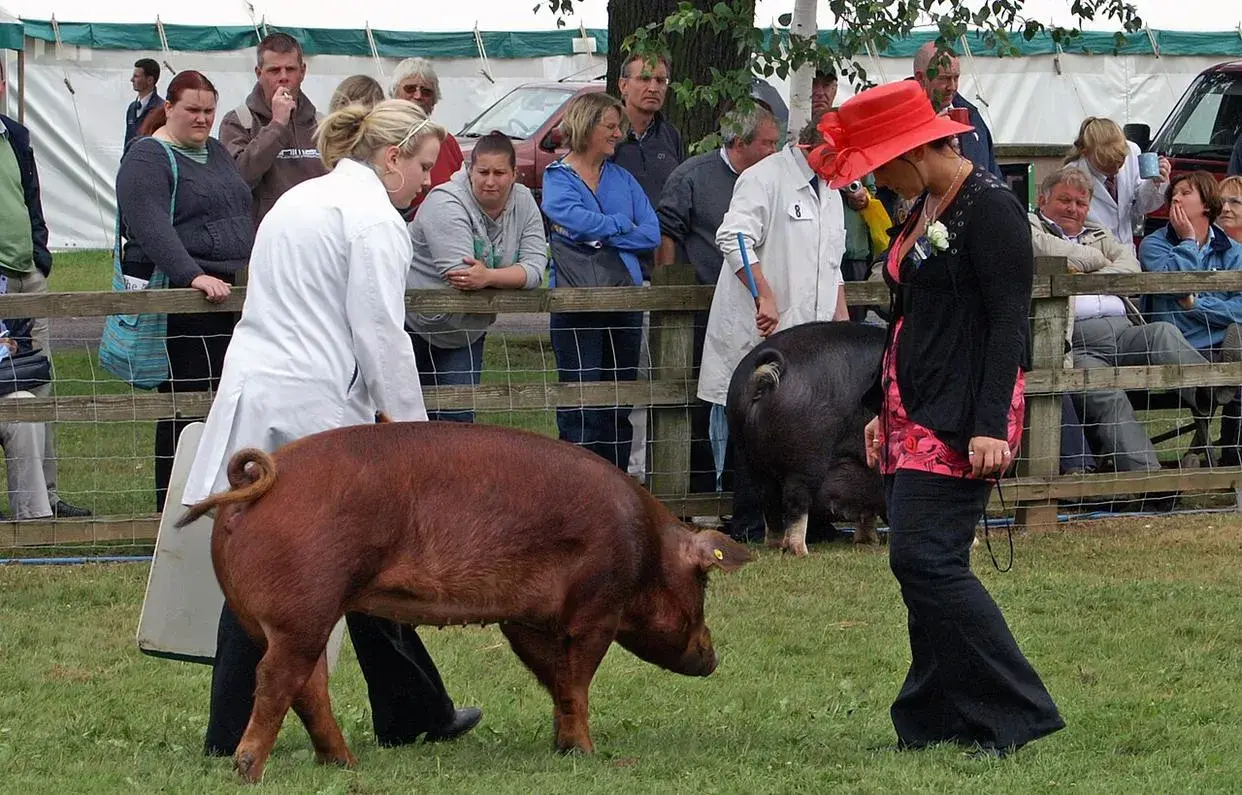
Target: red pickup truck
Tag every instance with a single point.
(529, 114)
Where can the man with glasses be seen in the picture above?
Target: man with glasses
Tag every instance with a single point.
(272, 134)
(650, 150)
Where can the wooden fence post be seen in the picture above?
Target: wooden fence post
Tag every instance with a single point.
(1049, 316)
(672, 358)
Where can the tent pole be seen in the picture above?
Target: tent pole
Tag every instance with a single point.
(21, 85)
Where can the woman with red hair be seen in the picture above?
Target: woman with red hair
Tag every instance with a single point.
(186, 212)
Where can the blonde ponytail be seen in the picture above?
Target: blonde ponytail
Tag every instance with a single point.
(357, 132)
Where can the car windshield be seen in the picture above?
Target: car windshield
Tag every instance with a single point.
(519, 113)
(1207, 121)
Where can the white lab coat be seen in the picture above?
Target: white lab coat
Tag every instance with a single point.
(1136, 197)
(321, 342)
(797, 237)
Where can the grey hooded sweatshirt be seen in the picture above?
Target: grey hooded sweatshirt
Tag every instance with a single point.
(451, 226)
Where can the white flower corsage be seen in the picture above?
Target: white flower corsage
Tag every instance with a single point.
(937, 235)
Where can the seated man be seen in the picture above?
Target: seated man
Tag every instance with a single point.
(1107, 330)
(23, 453)
(1192, 243)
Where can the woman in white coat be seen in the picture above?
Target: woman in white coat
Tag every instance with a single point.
(1121, 198)
(321, 345)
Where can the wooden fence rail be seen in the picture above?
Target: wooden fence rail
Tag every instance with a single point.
(672, 300)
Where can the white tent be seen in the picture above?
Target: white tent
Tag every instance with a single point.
(76, 91)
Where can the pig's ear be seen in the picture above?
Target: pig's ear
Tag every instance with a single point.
(711, 548)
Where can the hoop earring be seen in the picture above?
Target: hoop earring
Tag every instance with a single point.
(400, 187)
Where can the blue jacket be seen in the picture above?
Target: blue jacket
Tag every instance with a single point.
(1204, 324)
(617, 214)
(19, 139)
(977, 146)
(134, 117)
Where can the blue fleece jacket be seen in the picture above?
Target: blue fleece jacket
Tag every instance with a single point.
(1203, 324)
(617, 214)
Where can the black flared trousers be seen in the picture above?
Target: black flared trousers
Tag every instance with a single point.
(968, 681)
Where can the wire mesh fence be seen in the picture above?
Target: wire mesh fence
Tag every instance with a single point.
(1179, 411)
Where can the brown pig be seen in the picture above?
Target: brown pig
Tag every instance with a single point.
(445, 523)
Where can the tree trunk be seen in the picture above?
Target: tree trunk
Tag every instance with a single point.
(803, 25)
(692, 55)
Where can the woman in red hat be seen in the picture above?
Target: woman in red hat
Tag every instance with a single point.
(952, 388)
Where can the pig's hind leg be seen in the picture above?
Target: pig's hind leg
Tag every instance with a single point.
(797, 508)
(773, 518)
(283, 672)
(314, 706)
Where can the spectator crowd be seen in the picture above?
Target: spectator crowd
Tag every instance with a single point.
(752, 217)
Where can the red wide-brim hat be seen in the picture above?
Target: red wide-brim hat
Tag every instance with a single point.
(874, 127)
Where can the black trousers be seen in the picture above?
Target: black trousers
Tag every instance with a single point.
(406, 694)
(968, 682)
(196, 346)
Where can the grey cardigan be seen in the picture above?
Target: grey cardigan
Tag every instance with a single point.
(451, 226)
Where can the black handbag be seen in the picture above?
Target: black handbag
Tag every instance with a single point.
(24, 371)
(582, 265)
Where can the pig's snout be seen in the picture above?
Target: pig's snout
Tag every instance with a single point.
(704, 665)
(700, 659)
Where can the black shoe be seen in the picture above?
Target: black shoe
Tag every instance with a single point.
(464, 720)
(986, 752)
(63, 510)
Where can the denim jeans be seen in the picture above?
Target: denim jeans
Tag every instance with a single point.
(597, 346)
(461, 366)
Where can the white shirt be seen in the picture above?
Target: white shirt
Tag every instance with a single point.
(798, 238)
(1092, 306)
(1136, 197)
(321, 342)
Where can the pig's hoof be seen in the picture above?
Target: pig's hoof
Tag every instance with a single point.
(340, 759)
(574, 747)
(246, 769)
(798, 548)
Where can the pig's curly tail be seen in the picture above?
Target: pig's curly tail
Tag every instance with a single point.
(766, 376)
(252, 473)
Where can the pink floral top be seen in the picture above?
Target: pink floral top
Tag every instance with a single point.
(908, 445)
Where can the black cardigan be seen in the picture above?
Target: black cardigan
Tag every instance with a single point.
(964, 315)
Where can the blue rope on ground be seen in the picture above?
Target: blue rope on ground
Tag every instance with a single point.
(72, 561)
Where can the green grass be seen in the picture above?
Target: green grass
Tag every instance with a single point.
(81, 271)
(1133, 626)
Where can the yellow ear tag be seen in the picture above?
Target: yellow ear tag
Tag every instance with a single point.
(719, 555)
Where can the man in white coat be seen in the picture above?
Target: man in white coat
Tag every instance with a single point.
(793, 230)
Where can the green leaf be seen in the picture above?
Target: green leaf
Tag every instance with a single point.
(785, 20)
